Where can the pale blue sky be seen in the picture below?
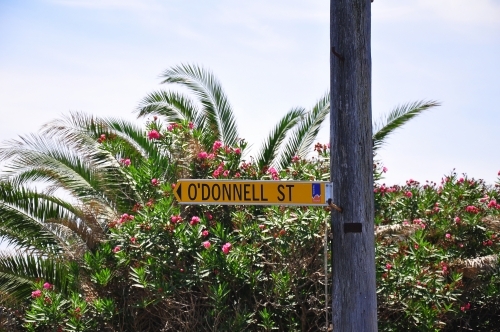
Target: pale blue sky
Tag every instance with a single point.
(103, 56)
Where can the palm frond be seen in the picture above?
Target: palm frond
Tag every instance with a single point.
(28, 219)
(129, 141)
(36, 157)
(400, 115)
(134, 139)
(36, 152)
(79, 132)
(172, 105)
(218, 116)
(18, 274)
(305, 132)
(271, 145)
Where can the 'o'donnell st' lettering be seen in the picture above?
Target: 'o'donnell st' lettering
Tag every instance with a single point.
(227, 192)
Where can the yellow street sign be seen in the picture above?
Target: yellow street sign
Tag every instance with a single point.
(248, 192)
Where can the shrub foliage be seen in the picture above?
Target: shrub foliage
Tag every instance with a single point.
(169, 267)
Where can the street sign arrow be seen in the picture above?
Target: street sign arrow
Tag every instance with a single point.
(178, 190)
(249, 192)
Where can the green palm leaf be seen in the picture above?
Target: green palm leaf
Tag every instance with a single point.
(18, 274)
(271, 145)
(217, 114)
(305, 132)
(172, 105)
(44, 223)
(42, 158)
(397, 118)
(81, 133)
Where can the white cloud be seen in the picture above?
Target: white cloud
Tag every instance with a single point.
(478, 12)
(459, 13)
(110, 4)
(465, 11)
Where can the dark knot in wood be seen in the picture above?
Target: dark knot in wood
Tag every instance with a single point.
(338, 55)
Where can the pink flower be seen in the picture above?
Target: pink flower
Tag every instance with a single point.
(116, 249)
(155, 182)
(416, 246)
(472, 209)
(237, 175)
(273, 172)
(295, 159)
(216, 173)
(153, 134)
(194, 220)
(226, 173)
(125, 162)
(408, 194)
(205, 233)
(262, 226)
(448, 235)
(384, 169)
(209, 215)
(226, 248)
(457, 220)
(47, 285)
(191, 125)
(203, 155)
(388, 266)
(172, 185)
(133, 240)
(410, 182)
(465, 307)
(492, 204)
(217, 145)
(175, 219)
(461, 180)
(101, 138)
(124, 218)
(207, 244)
(36, 293)
(419, 222)
(237, 151)
(170, 127)
(155, 118)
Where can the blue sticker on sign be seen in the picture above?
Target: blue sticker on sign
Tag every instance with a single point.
(316, 192)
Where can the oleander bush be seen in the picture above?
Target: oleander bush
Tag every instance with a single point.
(170, 267)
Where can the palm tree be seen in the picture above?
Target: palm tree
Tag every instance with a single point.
(52, 231)
(292, 136)
(86, 188)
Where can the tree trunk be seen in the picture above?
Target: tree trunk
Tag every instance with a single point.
(354, 301)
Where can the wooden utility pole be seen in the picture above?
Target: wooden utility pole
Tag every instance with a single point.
(354, 300)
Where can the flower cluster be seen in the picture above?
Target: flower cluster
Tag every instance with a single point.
(226, 248)
(154, 134)
(125, 162)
